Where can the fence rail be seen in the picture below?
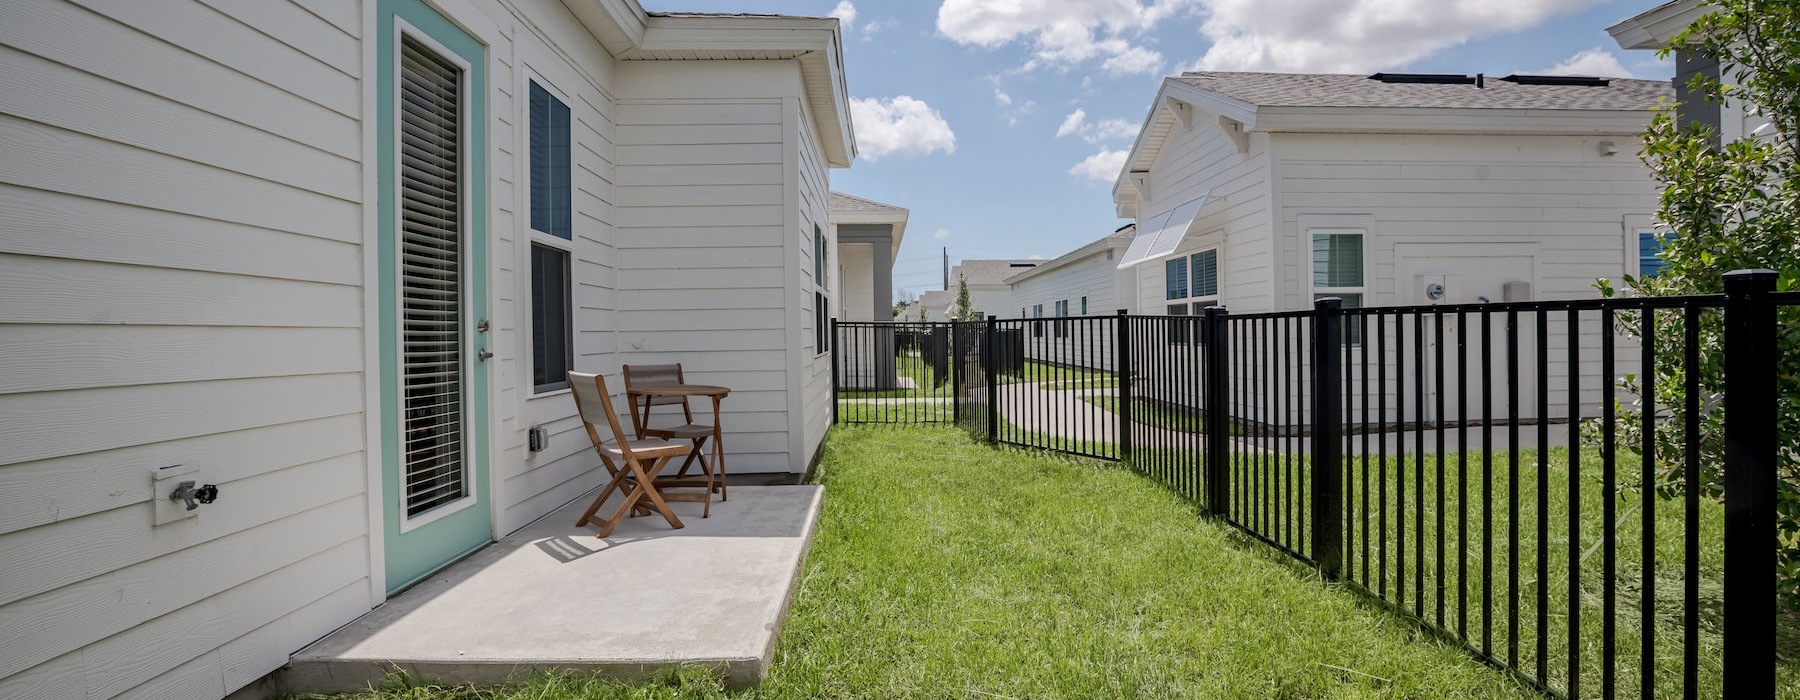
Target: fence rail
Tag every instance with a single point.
(1467, 466)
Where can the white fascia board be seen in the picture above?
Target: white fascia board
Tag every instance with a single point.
(1655, 27)
(1421, 120)
(618, 25)
(1124, 193)
(816, 39)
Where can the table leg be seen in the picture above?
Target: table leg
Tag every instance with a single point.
(719, 449)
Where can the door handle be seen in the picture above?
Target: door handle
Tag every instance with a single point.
(483, 355)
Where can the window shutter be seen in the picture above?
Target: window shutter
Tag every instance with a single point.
(431, 284)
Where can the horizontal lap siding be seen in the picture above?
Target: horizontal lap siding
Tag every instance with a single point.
(1094, 277)
(702, 259)
(1554, 196)
(535, 483)
(182, 266)
(814, 208)
(1202, 160)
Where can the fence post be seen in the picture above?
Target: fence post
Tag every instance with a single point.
(1122, 371)
(1327, 437)
(955, 368)
(834, 370)
(1750, 449)
(990, 361)
(1218, 407)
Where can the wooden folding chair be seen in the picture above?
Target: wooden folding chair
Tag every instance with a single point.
(651, 375)
(633, 463)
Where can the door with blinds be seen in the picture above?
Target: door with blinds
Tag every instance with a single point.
(435, 495)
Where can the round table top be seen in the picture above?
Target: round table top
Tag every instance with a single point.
(678, 390)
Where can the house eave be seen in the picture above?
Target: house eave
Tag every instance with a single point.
(1071, 257)
(1654, 28)
(1433, 120)
(631, 34)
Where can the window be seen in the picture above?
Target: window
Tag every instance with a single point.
(1084, 311)
(552, 209)
(1338, 272)
(1178, 324)
(1175, 279)
(551, 240)
(1198, 288)
(552, 343)
(1650, 248)
(1037, 326)
(1062, 312)
(822, 292)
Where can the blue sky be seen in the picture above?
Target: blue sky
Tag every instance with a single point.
(1001, 123)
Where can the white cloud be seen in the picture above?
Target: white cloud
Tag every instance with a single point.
(1001, 98)
(1072, 124)
(1101, 167)
(1133, 61)
(1005, 101)
(875, 25)
(1595, 61)
(941, 233)
(1357, 36)
(845, 12)
(899, 125)
(1063, 33)
(1095, 132)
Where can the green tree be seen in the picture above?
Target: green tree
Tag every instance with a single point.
(962, 310)
(1727, 205)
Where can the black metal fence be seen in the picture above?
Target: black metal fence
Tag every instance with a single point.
(1465, 466)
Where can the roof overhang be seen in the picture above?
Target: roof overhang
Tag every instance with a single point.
(1654, 28)
(631, 34)
(895, 219)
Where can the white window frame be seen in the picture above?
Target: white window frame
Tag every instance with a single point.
(529, 236)
(821, 287)
(1314, 291)
(404, 29)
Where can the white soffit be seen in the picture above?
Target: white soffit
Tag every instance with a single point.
(1158, 236)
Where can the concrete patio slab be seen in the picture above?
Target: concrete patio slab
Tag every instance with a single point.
(555, 597)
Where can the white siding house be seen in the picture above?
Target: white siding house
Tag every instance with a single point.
(231, 233)
(1086, 281)
(1371, 188)
(1654, 29)
(934, 305)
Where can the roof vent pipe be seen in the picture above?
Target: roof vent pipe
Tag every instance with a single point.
(1480, 81)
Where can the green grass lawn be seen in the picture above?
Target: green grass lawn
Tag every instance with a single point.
(946, 569)
(1154, 414)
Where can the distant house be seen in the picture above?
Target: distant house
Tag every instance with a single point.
(868, 236)
(988, 290)
(1262, 192)
(933, 305)
(1654, 29)
(336, 257)
(1082, 282)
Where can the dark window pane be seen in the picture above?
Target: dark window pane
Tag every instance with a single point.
(1337, 260)
(1206, 273)
(1175, 279)
(552, 339)
(552, 209)
(1650, 247)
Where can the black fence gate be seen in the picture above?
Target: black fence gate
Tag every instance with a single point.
(1469, 467)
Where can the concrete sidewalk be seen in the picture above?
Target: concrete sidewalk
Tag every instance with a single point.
(555, 597)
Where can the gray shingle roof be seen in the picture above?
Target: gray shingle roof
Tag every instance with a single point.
(1316, 90)
(990, 271)
(936, 298)
(848, 202)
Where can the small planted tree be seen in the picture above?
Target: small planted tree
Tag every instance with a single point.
(962, 310)
(1726, 205)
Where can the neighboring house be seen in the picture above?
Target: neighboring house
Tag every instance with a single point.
(868, 236)
(1653, 30)
(933, 305)
(988, 292)
(335, 258)
(1086, 281)
(1262, 192)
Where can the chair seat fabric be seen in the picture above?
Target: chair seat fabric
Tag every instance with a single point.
(647, 447)
(689, 431)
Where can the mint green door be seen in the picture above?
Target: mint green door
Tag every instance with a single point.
(431, 122)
